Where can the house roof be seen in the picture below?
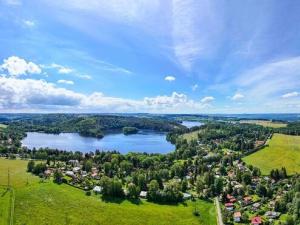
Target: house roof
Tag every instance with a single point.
(256, 220)
(237, 214)
(228, 204)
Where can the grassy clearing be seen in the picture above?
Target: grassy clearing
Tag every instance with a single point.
(283, 151)
(265, 123)
(4, 205)
(2, 125)
(49, 203)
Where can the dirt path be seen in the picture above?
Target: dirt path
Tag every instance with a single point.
(219, 213)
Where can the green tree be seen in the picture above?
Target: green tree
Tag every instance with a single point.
(30, 166)
(133, 191)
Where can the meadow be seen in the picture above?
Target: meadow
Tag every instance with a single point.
(265, 123)
(282, 151)
(44, 202)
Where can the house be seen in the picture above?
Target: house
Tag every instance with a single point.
(230, 198)
(70, 174)
(143, 194)
(247, 200)
(47, 173)
(229, 206)
(256, 220)
(255, 206)
(97, 189)
(237, 217)
(76, 169)
(186, 196)
(272, 214)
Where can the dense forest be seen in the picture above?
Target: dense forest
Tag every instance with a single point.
(89, 125)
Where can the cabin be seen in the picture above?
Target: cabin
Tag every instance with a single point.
(237, 217)
(256, 220)
(70, 174)
(143, 194)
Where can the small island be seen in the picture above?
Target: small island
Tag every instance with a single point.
(130, 130)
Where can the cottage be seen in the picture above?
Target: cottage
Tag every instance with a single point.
(143, 194)
(229, 206)
(255, 206)
(76, 169)
(237, 217)
(247, 200)
(186, 196)
(272, 214)
(70, 174)
(97, 189)
(256, 220)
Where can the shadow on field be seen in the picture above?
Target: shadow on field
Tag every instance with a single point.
(112, 199)
(4, 193)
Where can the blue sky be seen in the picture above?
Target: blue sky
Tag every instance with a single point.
(165, 56)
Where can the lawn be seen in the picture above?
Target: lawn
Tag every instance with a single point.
(48, 203)
(4, 205)
(265, 123)
(283, 151)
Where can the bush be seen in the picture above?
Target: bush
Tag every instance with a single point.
(88, 193)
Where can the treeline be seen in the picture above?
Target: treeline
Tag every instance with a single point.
(89, 125)
(292, 128)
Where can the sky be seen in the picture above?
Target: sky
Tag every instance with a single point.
(168, 56)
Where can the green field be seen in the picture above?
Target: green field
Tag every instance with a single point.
(283, 151)
(265, 123)
(3, 125)
(48, 203)
(4, 205)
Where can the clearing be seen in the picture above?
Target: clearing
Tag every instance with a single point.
(265, 123)
(283, 151)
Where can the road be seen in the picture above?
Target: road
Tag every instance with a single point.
(219, 213)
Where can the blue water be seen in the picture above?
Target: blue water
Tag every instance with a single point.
(144, 141)
(190, 124)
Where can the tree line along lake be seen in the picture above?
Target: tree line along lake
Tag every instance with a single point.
(143, 141)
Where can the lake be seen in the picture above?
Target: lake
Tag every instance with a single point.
(190, 124)
(144, 141)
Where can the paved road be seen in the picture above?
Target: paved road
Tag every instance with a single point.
(219, 213)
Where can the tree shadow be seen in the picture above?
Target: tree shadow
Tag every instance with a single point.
(116, 200)
(135, 201)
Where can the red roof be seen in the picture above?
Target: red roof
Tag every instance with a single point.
(256, 220)
(237, 214)
(228, 204)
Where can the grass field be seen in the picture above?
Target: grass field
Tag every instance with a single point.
(283, 151)
(4, 205)
(265, 123)
(48, 203)
(3, 125)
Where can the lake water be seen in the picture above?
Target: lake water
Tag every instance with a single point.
(190, 124)
(144, 141)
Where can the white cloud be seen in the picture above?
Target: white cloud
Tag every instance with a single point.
(65, 82)
(237, 97)
(170, 78)
(60, 69)
(290, 94)
(16, 66)
(194, 87)
(207, 99)
(85, 76)
(29, 23)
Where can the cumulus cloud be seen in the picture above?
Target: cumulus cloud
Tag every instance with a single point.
(85, 76)
(65, 82)
(16, 66)
(30, 94)
(170, 78)
(237, 97)
(207, 99)
(290, 94)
